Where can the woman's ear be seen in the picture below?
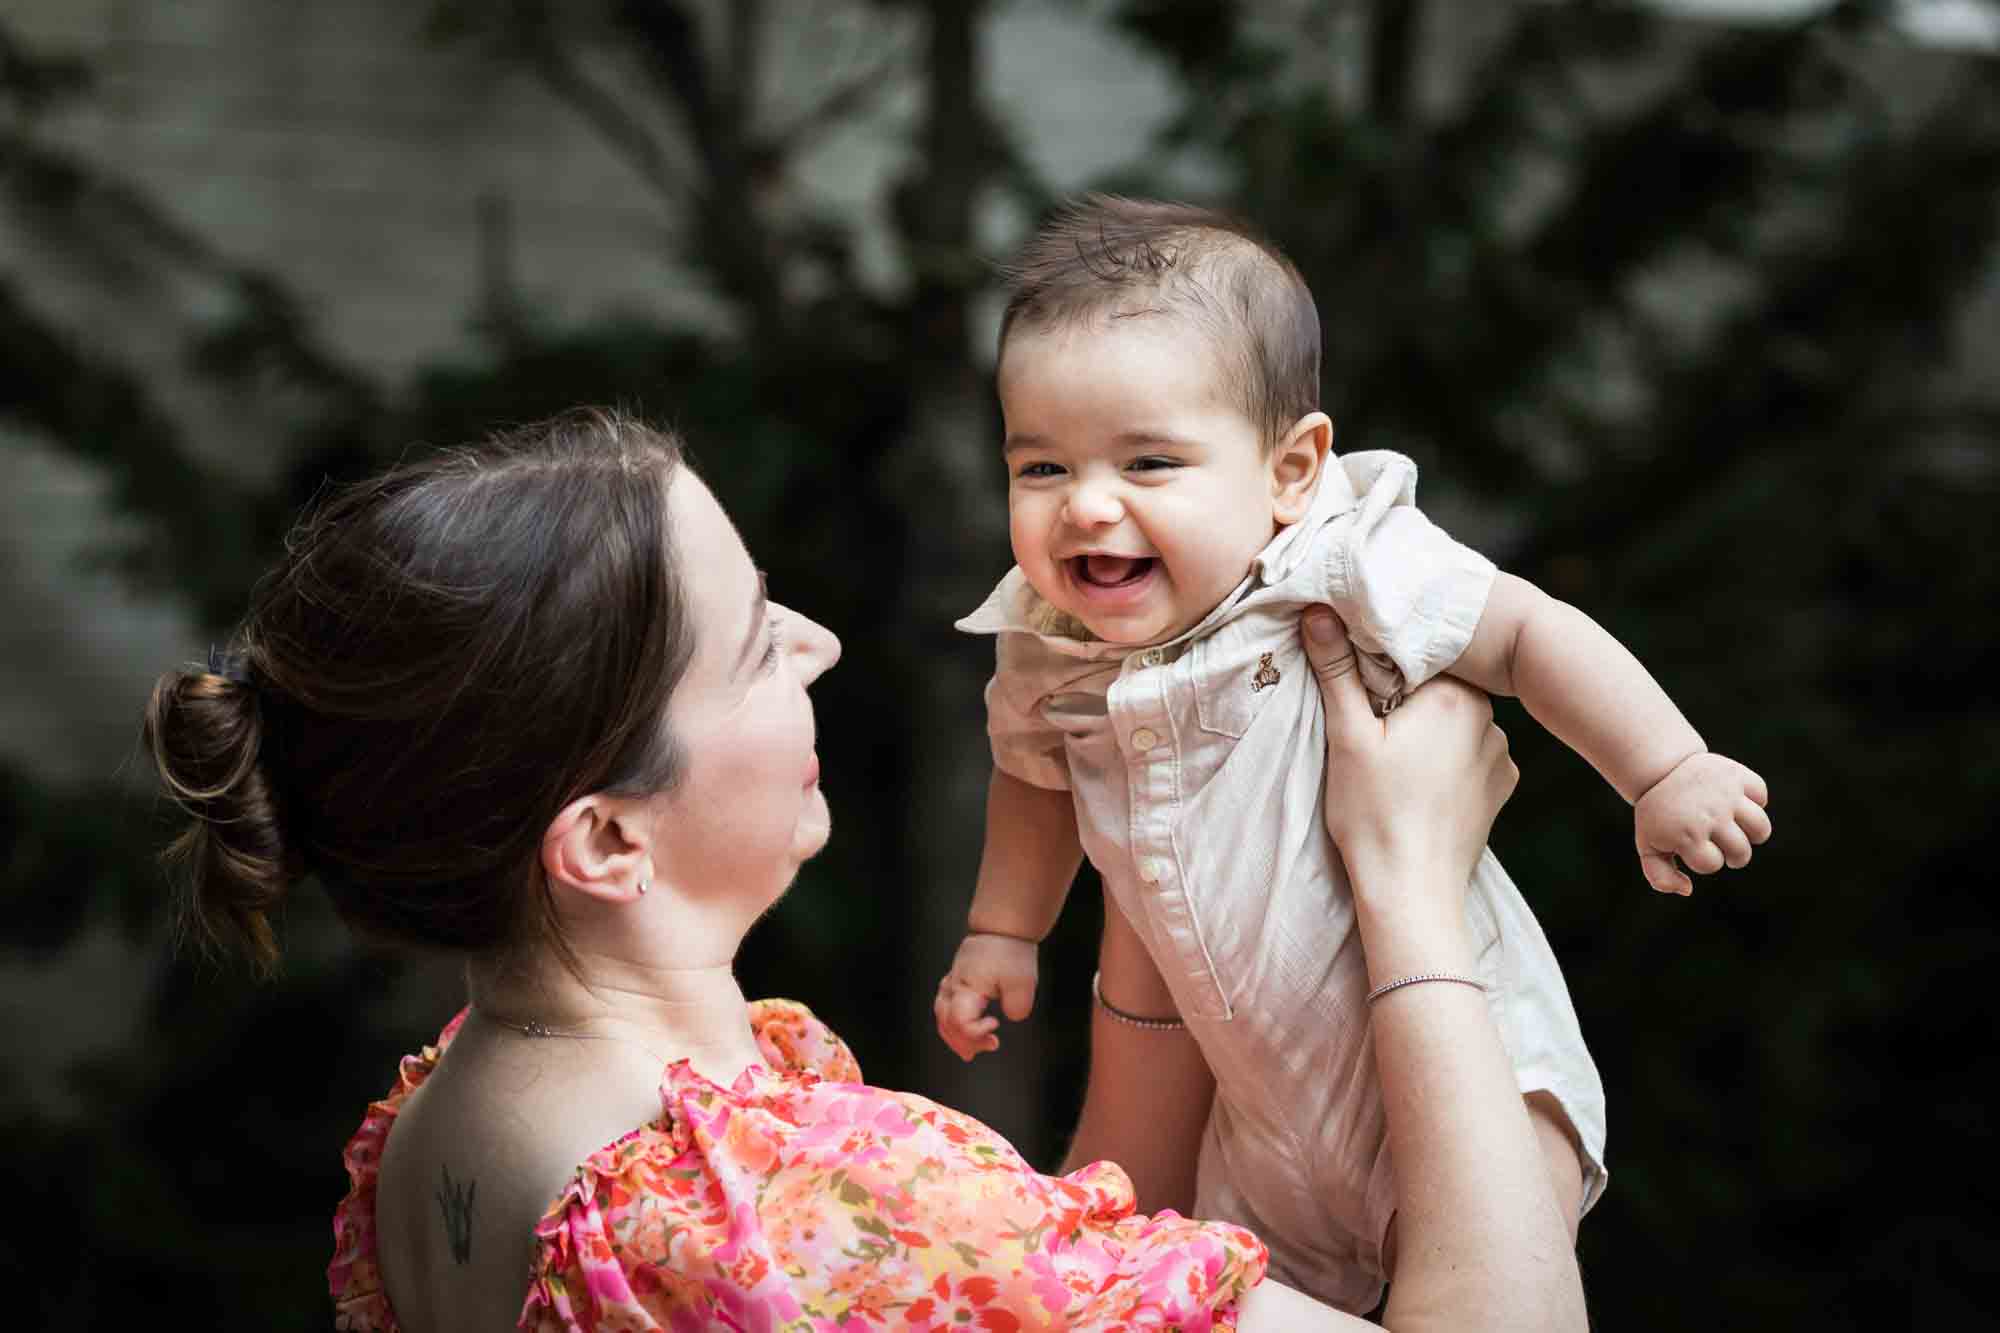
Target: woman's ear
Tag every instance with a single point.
(1296, 461)
(597, 846)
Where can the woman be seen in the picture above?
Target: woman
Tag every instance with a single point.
(530, 703)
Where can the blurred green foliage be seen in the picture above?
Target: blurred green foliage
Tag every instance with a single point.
(1677, 314)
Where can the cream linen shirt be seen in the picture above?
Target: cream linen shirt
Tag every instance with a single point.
(1197, 765)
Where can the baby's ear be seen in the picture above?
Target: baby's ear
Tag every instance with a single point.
(1296, 461)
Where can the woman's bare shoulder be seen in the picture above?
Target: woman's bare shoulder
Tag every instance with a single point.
(478, 1155)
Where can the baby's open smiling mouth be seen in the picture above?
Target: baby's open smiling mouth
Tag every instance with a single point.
(1110, 571)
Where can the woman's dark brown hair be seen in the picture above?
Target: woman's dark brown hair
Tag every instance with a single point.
(446, 656)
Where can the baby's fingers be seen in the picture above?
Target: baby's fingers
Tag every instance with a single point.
(1701, 855)
(1663, 874)
(965, 1047)
(969, 1040)
(1734, 844)
(1756, 825)
(976, 1039)
(947, 1029)
(1017, 997)
(967, 1005)
(960, 1022)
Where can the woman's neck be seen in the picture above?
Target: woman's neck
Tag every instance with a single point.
(693, 1013)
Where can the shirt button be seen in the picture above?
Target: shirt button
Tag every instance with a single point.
(1145, 738)
(1150, 870)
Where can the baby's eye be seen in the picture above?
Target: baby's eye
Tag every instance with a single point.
(777, 643)
(1040, 470)
(1154, 464)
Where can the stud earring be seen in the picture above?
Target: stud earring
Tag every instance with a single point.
(644, 884)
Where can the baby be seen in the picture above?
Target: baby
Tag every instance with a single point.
(1173, 503)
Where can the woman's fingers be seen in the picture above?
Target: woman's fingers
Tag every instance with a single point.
(1332, 658)
(1425, 780)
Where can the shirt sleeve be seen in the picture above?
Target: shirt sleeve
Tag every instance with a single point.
(1025, 745)
(1410, 594)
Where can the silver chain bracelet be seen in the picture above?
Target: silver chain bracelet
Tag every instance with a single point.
(1400, 982)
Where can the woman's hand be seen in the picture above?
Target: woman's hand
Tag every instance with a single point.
(1409, 797)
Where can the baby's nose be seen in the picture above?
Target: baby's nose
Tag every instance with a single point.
(1093, 505)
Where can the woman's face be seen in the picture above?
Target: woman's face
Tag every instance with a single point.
(748, 811)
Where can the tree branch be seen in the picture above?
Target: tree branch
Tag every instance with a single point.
(194, 522)
(823, 116)
(1392, 48)
(746, 29)
(734, 235)
(608, 116)
(1820, 354)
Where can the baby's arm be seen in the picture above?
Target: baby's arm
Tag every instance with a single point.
(1030, 858)
(1588, 689)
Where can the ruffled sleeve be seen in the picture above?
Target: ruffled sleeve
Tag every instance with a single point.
(795, 1042)
(360, 1305)
(796, 1200)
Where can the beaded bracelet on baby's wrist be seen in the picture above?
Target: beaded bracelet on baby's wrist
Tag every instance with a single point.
(1117, 1015)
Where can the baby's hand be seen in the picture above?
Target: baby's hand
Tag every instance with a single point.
(1709, 812)
(988, 967)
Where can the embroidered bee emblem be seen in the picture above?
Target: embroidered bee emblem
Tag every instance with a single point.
(1267, 675)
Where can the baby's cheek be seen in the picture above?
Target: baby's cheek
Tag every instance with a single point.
(1022, 531)
(1212, 570)
(1041, 574)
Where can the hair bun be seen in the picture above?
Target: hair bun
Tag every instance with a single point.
(205, 730)
(231, 666)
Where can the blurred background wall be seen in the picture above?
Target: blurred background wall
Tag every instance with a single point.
(1687, 310)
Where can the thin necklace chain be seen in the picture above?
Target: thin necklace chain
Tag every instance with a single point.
(532, 1028)
(537, 1029)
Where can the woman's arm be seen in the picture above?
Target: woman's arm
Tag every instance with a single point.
(1409, 801)
(1149, 1091)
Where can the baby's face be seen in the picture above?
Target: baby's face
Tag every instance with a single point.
(1138, 492)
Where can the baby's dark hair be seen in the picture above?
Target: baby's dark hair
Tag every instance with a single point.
(1107, 255)
(445, 656)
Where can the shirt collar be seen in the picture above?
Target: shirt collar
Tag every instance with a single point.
(1014, 607)
(1333, 497)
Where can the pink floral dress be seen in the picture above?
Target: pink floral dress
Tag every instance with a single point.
(801, 1199)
